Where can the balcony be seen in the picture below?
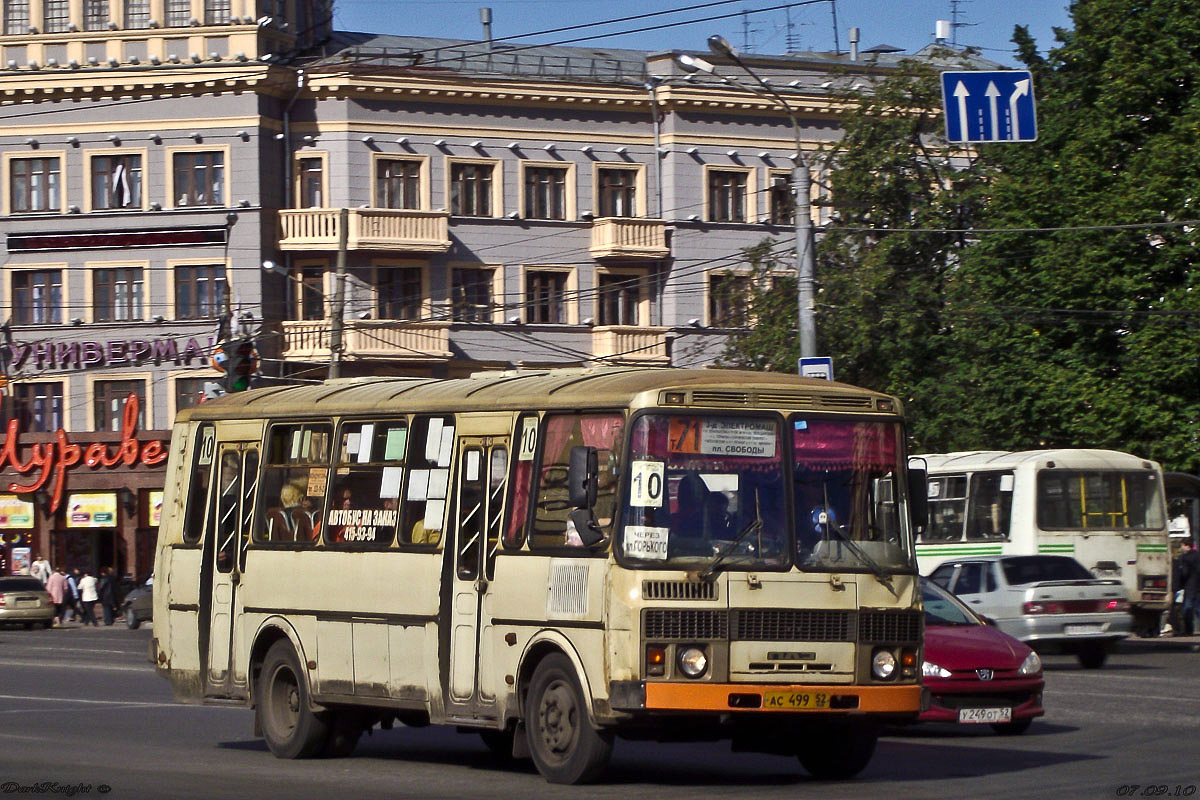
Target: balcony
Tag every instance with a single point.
(629, 238)
(628, 344)
(369, 339)
(399, 230)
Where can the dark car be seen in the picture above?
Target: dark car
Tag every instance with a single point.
(138, 604)
(25, 601)
(976, 673)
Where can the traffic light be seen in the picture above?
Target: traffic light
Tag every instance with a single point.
(238, 359)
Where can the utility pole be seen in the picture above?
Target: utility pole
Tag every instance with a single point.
(338, 312)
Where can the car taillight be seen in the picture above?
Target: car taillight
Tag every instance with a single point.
(1116, 605)
(1154, 582)
(1042, 608)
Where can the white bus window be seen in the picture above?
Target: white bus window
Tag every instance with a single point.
(367, 477)
(294, 479)
(990, 505)
(947, 508)
(429, 451)
(564, 431)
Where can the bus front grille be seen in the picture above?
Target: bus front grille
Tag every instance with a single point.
(686, 624)
(793, 625)
(883, 626)
(889, 627)
(679, 590)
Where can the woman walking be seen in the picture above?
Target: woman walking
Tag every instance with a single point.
(88, 596)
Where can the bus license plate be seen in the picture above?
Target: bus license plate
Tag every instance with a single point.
(1082, 630)
(984, 715)
(795, 700)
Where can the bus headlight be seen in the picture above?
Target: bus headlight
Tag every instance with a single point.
(692, 660)
(883, 664)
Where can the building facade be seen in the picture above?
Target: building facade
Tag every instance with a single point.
(176, 171)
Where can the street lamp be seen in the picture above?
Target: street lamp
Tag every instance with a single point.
(801, 183)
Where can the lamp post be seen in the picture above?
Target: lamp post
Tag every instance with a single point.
(801, 184)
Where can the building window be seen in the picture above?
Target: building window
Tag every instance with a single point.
(306, 294)
(179, 13)
(37, 297)
(199, 292)
(471, 294)
(217, 12)
(200, 179)
(117, 294)
(728, 296)
(56, 16)
(617, 299)
(137, 14)
(16, 16)
(545, 296)
(546, 192)
(189, 392)
(38, 407)
(398, 293)
(726, 196)
(618, 192)
(110, 397)
(117, 182)
(397, 183)
(35, 184)
(783, 202)
(471, 190)
(312, 182)
(95, 15)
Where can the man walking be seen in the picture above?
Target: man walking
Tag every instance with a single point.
(40, 569)
(1188, 575)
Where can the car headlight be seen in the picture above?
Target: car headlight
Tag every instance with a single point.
(692, 661)
(883, 664)
(1032, 665)
(929, 670)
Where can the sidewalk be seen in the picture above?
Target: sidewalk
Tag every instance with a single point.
(1184, 643)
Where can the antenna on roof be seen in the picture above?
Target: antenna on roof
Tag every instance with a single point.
(485, 16)
(837, 46)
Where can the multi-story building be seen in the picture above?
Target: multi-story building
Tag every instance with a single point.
(174, 170)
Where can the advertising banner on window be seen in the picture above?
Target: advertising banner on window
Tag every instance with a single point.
(15, 513)
(98, 510)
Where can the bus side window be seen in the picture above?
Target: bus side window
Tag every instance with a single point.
(294, 476)
(564, 431)
(202, 465)
(430, 450)
(990, 505)
(522, 481)
(368, 471)
(947, 508)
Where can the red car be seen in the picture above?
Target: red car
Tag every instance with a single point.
(975, 673)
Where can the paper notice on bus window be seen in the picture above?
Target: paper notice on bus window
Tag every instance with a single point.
(434, 511)
(366, 437)
(646, 484)
(353, 442)
(389, 488)
(433, 441)
(306, 448)
(716, 436)
(297, 440)
(447, 448)
(528, 447)
(418, 485)
(933, 490)
(472, 465)
(318, 477)
(1006, 482)
(439, 484)
(646, 543)
(393, 449)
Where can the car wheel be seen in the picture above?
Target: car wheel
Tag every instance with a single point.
(290, 727)
(1092, 656)
(131, 620)
(838, 750)
(562, 742)
(1014, 728)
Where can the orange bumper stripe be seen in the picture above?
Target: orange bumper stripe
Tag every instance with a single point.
(716, 697)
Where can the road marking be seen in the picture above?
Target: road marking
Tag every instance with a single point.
(12, 662)
(85, 701)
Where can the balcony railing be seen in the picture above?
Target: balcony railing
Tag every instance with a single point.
(621, 237)
(368, 229)
(380, 339)
(627, 344)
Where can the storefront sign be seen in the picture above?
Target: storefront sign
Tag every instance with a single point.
(156, 501)
(94, 510)
(55, 458)
(112, 353)
(15, 513)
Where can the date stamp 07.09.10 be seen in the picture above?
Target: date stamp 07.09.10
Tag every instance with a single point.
(1157, 789)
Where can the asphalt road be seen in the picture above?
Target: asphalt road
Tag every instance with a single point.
(82, 714)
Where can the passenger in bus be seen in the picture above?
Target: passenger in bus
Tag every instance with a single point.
(288, 521)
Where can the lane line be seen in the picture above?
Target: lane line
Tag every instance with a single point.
(12, 662)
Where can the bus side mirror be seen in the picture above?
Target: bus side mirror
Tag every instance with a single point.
(918, 498)
(582, 477)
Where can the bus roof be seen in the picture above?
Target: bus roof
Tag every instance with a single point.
(600, 387)
(1003, 459)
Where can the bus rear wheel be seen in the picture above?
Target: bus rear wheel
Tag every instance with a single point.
(839, 749)
(562, 742)
(290, 727)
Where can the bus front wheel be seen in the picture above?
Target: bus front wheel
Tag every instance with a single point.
(838, 750)
(290, 727)
(562, 742)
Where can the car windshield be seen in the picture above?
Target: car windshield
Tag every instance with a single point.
(844, 486)
(698, 481)
(21, 585)
(1034, 569)
(942, 608)
(1090, 500)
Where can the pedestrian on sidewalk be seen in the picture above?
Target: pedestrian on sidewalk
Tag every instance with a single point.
(56, 587)
(1188, 575)
(40, 569)
(88, 596)
(76, 609)
(107, 589)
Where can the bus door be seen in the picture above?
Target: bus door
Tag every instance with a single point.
(228, 531)
(479, 513)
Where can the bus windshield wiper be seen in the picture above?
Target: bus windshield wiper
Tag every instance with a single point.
(709, 572)
(832, 524)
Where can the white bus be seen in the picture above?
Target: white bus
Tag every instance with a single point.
(550, 558)
(1104, 508)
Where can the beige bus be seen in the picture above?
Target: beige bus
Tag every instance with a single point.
(550, 558)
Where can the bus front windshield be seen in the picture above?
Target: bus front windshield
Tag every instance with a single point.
(712, 490)
(844, 483)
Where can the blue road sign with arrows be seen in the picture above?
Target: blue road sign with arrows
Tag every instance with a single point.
(989, 106)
